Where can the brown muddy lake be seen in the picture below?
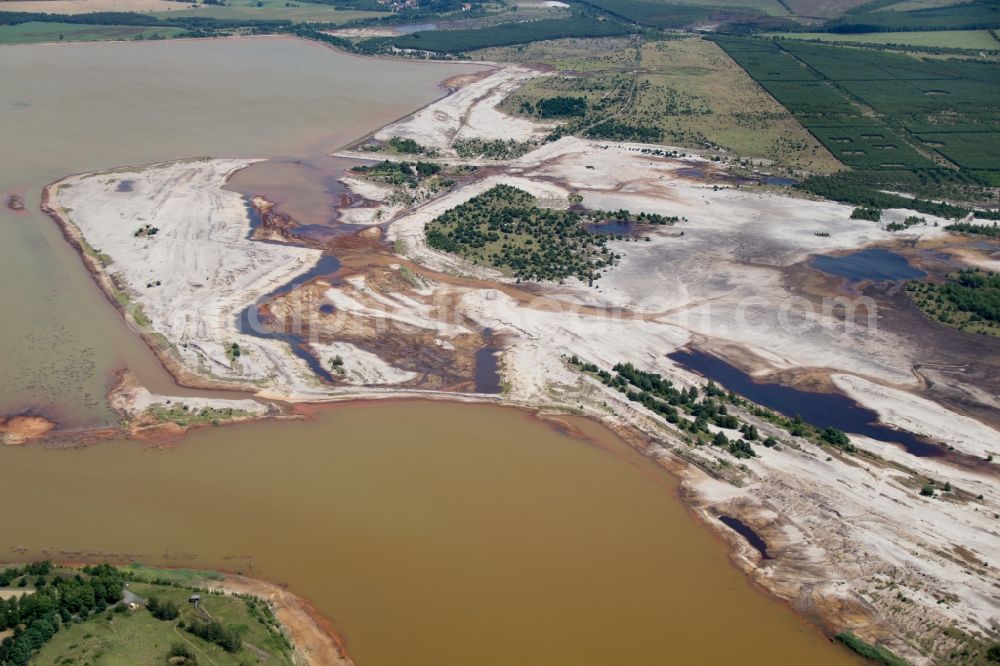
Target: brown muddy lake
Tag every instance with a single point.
(429, 533)
(70, 108)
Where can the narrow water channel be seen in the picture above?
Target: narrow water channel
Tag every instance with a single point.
(817, 409)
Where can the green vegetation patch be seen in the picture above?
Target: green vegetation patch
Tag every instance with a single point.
(968, 301)
(866, 188)
(398, 173)
(183, 415)
(683, 91)
(560, 106)
(869, 651)
(492, 149)
(991, 231)
(504, 228)
(120, 616)
(38, 32)
(695, 411)
(460, 41)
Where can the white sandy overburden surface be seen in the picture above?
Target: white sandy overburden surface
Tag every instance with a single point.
(922, 416)
(208, 271)
(469, 113)
(360, 367)
(844, 527)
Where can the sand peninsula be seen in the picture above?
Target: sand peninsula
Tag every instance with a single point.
(847, 532)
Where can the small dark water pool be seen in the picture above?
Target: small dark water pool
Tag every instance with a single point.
(747, 533)
(414, 27)
(125, 185)
(817, 409)
(778, 180)
(487, 373)
(612, 228)
(690, 172)
(875, 264)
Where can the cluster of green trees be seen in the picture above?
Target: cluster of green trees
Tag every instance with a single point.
(213, 631)
(406, 146)
(911, 220)
(398, 173)
(969, 300)
(492, 149)
(163, 610)
(616, 130)
(622, 215)
(864, 188)
(504, 228)
(660, 396)
(561, 106)
(863, 213)
(976, 229)
(36, 617)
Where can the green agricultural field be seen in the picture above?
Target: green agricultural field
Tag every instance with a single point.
(869, 146)
(270, 10)
(955, 39)
(653, 13)
(823, 8)
(875, 109)
(771, 7)
(976, 15)
(36, 33)
(969, 150)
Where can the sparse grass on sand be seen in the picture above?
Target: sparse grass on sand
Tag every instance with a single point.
(954, 39)
(687, 88)
(184, 416)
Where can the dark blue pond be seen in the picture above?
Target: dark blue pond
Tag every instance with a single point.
(487, 373)
(747, 533)
(875, 265)
(414, 27)
(779, 180)
(613, 228)
(817, 409)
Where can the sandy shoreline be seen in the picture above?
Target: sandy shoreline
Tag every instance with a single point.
(822, 563)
